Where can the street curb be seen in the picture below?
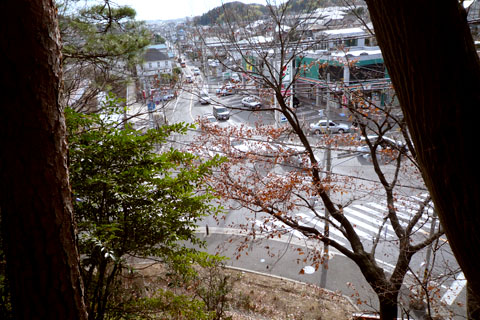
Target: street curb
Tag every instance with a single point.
(293, 281)
(238, 232)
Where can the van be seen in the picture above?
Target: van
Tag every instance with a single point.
(221, 113)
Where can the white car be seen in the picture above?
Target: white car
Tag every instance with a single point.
(251, 103)
(196, 71)
(255, 147)
(226, 90)
(323, 126)
(210, 118)
(204, 98)
(384, 143)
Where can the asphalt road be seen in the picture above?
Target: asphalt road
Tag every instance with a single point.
(282, 258)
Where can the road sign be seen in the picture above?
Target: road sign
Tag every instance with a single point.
(151, 106)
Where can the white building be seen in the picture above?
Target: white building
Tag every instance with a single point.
(155, 62)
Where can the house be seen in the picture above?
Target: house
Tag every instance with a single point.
(155, 62)
(347, 37)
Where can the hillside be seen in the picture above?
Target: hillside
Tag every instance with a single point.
(249, 12)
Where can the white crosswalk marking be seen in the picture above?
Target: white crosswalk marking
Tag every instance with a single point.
(454, 290)
(366, 218)
(373, 227)
(308, 220)
(280, 226)
(405, 216)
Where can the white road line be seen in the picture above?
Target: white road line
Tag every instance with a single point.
(296, 233)
(401, 215)
(362, 224)
(358, 225)
(455, 288)
(176, 102)
(280, 225)
(308, 220)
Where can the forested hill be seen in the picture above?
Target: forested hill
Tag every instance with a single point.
(249, 12)
(238, 9)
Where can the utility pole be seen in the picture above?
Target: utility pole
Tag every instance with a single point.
(328, 168)
(429, 250)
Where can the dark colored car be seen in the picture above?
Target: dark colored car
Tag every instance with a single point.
(296, 102)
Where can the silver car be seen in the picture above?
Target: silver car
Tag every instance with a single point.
(221, 113)
(383, 143)
(251, 103)
(203, 97)
(323, 126)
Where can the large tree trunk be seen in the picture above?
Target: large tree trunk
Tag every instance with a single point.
(435, 70)
(389, 306)
(35, 198)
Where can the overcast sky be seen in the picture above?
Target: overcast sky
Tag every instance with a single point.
(173, 9)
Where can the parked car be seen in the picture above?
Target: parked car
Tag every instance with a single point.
(251, 102)
(323, 126)
(167, 97)
(221, 113)
(235, 77)
(196, 71)
(212, 63)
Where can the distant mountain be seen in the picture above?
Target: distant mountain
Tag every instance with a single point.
(235, 10)
(249, 12)
(179, 20)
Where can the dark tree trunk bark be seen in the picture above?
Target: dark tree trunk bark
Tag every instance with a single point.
(435, 70)
(387, 291)
(35, 198)
(389, 306)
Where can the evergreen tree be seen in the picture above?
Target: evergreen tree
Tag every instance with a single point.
(130, 200)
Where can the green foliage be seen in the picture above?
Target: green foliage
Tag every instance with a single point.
(213, 286)
(177, 71)
(103, 34)
(159, 39)
(102, 44)
(166, 305)
(200, 295)
(131, 201)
